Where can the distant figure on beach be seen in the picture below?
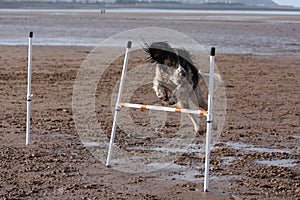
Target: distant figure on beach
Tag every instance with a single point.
(102, 11)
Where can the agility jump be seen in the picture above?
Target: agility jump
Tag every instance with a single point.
(208, 113)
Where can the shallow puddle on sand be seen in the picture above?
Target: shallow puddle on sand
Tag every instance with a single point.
(162, 154)
(159, 156)
(182, 173)
(91, 144)
(290, 163)
(251, 147)
(296, 136)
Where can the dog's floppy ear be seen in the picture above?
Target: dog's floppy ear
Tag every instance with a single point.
(158, 51)
(187, 64)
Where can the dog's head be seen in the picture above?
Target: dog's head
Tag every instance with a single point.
(177, 59)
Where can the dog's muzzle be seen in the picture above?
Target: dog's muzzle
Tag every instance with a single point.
(180, 72)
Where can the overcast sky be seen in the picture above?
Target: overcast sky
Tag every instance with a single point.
(295, 3)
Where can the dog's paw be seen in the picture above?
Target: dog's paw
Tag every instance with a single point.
(162, 96)
(172, 100)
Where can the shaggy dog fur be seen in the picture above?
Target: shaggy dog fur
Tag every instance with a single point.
(177, 79)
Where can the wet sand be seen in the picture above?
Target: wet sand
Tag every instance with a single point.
(256, 157)
(261, 125)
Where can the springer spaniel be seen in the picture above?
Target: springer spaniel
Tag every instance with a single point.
(177, 79)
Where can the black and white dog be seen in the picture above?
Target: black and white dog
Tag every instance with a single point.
(177, 79)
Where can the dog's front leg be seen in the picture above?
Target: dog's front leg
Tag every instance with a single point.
(183, 103)
(173, 99)
(160, 90)
(179, 79)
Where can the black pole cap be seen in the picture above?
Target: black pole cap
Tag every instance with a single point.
(129, 44)
(213, 51)
(31, 34)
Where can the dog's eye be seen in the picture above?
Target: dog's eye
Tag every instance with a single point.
(171, 63)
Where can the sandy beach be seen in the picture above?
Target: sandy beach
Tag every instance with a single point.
(257, 155)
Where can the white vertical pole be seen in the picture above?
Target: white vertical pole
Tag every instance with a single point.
(209, 117)
(29, 88)
(117, 108)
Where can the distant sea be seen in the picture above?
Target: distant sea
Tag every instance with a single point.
(159, 11)
(232, 31)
